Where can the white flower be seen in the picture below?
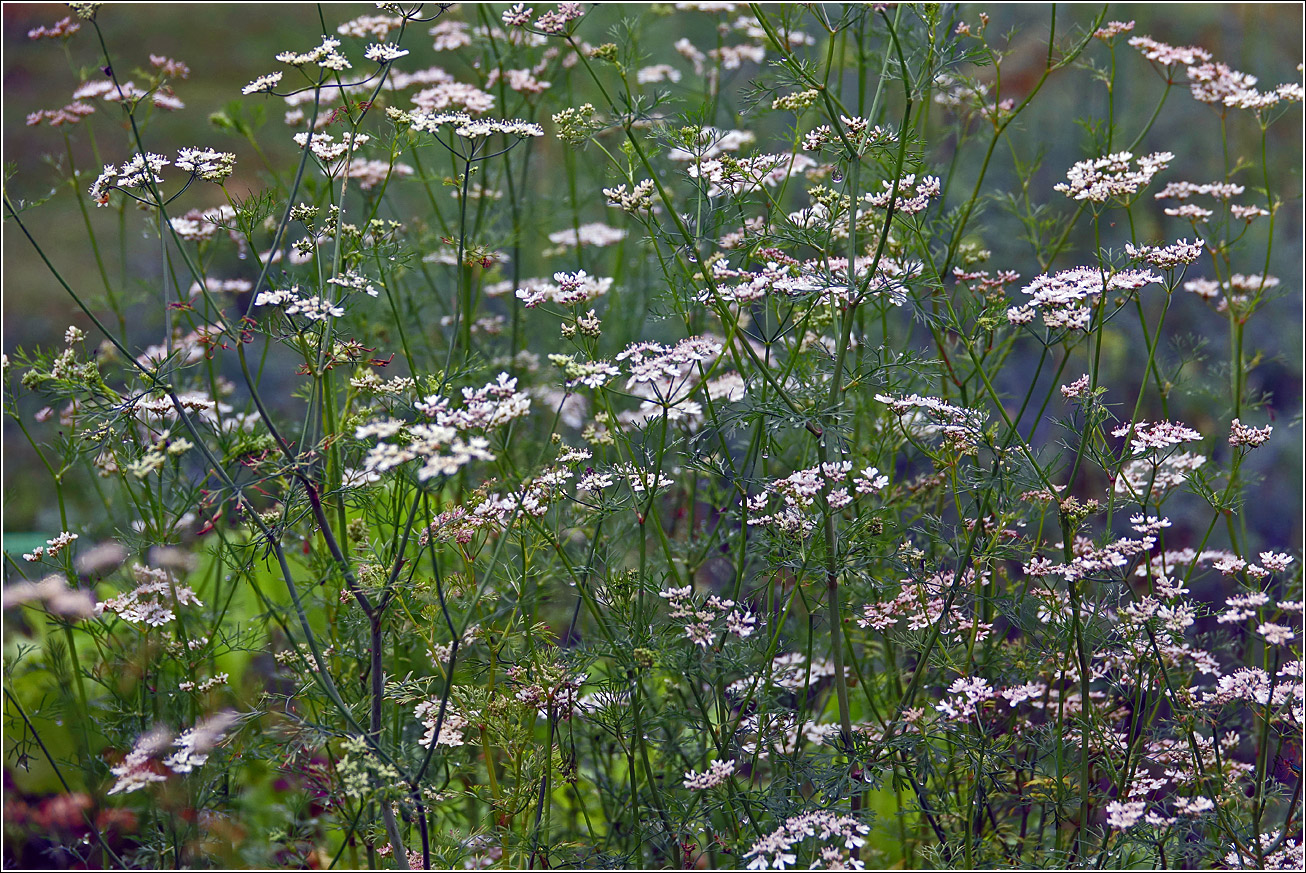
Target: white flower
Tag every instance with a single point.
(262, 83)
(209, 164)
(384, 53)
(1103, 179)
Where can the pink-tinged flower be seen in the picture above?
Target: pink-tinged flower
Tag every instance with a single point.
(657, 73)
(138, 769)
(968, 695)
(1276, 561)
(1190, 211)
(1112, 29)
(1077, 388)
(518, 16)
(452, 725)
(1121, 816)
(450, 35)
(1251, 437)
(195, 744)
(444, 95)
(702, 620)
(375, 27)
(1275, 634)
(1215, 83)
(913, 196)
(1161, 475)
(772, 851)
(716, 774)
(1162, 435)
(1018, 694)
(1167, 257)
(1065, 299)
(151, 602)
(1168, 55)
(61, 29)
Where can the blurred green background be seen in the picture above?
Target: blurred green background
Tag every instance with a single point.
(227, 45)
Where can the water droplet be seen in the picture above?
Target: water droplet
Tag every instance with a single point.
(836, 174)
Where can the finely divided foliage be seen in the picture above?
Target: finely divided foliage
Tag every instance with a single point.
(592, 437)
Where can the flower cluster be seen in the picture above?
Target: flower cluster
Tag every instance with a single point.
(195, 744)
(1152, 478)
(137, 769)
(143, 171)
(922, 606)
(1065, 299)
(61, 29)
(596, 234)
(717, 773)
(665, 370)
(326, 149)
(72, 113)
(1217, 84)
(151, 602)
(567, 289)
(1161, 435)
(926, 416)
(452, 727)
(54, 595)
(704, 619)
(128, 93)
(465, 126)
(443, 95)
(912, 196)
(968, 696)
(553, 690)
(376, 27)
(738, 176)
(1167, 257)
(552, 22)
(1168, 55)
(290, 301)
(1251, 437)
(858, 133)
(636, 200)
(324, 56)
(799, 492)
(1088, 559)
(1112, 177)
(821, 280)
(51, 549)
(838, 835)
(207, 164)
(438, 442)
